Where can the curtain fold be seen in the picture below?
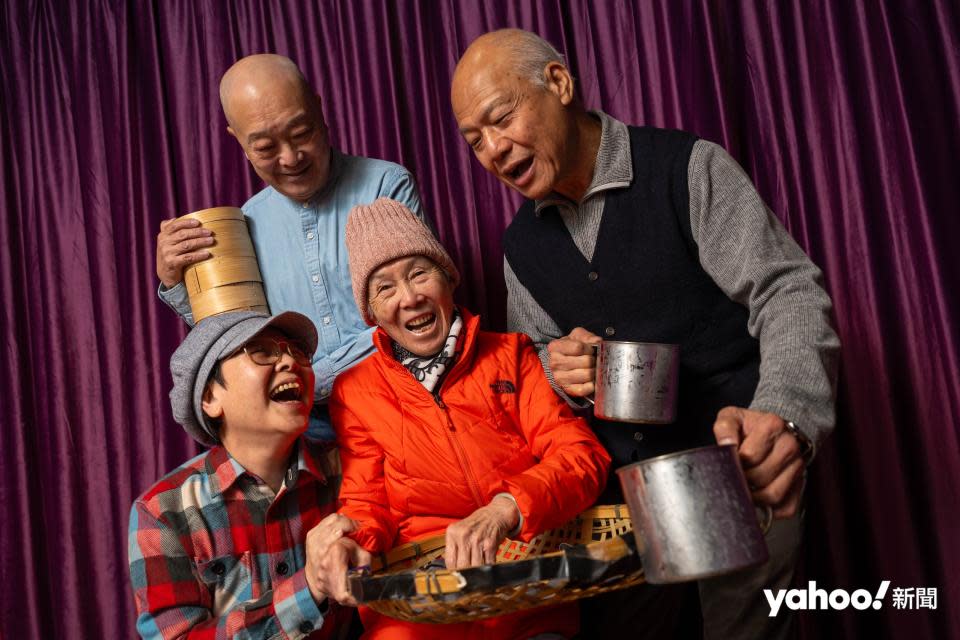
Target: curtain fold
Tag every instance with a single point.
(846, 116)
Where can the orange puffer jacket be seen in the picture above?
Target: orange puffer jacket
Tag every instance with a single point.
(413, 464)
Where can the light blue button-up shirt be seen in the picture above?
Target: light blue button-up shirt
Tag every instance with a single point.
(302, 254)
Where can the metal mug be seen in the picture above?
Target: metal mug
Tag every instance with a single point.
(637, 382)
(692, 515)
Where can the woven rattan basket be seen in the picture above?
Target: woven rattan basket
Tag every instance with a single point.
(591, 554)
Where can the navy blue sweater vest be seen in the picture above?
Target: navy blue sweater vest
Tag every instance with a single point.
(645, 283)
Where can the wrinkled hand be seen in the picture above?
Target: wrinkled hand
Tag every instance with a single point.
(474, 540)
(329, 555)
(180, 243)
(770, 456)
(573, 361)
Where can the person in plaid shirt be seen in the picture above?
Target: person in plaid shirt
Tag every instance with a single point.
(231, 543)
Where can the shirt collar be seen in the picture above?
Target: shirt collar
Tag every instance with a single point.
(222, 469)
(613, 168)
(308, 457)
(226, 471)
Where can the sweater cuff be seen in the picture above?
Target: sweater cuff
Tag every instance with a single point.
(577, 404)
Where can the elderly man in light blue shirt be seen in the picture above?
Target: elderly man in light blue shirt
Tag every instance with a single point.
(297, 223)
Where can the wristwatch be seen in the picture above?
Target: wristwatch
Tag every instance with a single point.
(808, 447)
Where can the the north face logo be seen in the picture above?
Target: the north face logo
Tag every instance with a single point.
(503, 386)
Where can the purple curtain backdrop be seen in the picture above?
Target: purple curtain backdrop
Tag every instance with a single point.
(846, 114)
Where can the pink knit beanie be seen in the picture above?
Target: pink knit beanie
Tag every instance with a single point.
(383, 231)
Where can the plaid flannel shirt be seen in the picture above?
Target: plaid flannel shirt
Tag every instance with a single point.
(214, 554)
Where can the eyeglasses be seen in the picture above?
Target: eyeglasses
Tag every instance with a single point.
(266, 351)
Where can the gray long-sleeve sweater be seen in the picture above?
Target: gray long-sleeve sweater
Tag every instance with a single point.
(747, 252)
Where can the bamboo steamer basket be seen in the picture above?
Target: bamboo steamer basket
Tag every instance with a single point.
(229, 280)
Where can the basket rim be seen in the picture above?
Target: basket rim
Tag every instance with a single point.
(419, 548)
(440, 596)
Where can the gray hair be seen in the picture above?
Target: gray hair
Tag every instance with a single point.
(530, 52)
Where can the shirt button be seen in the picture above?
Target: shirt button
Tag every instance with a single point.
(305, 205)
(323, 392)
(306, 626)
(609, 331)
(282, 568)
(638, 436)
(316, 278)
(326, 319)
(592, 276)
(310, 236)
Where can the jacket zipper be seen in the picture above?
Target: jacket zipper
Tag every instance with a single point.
(451, 428)
(460, 453)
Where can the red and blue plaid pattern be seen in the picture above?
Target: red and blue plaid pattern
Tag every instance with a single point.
(214, 554)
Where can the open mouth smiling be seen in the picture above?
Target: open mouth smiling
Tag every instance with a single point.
(421, 323)
(518, 169)
(287, 392)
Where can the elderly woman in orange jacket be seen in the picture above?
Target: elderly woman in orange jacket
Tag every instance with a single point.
(447, 428)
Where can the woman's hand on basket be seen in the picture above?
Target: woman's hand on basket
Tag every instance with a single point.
(475, 539)
(330, 555)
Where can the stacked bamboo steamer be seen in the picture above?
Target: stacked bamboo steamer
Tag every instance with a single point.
(229, 280)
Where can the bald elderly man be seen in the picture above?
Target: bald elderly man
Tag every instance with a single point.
(297, 222)
(643, 234)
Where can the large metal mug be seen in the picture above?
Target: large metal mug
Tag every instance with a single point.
(637, 382)
(692, 515)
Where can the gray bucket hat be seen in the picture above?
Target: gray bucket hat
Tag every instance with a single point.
(213, 339)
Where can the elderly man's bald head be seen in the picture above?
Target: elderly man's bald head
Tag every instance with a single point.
(514, 101)
(257, 74)
(527, 54)
(278, 120)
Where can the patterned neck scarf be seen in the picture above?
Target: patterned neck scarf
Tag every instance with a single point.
(429, 370)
